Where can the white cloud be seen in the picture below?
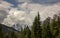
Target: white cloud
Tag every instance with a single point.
(45, 11)
(4, 9)
(16, 16)
(5, 4)
(13, 17)
(28, 11)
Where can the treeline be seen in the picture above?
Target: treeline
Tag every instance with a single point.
(49, 28)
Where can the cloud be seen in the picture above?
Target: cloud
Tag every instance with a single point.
(5, 4)
(4, 9)
(26, 12)
(13, 17)
(44, 10)
(1, 0)
(3, 15)
(23, 0)
(46, 2)
(19, 16)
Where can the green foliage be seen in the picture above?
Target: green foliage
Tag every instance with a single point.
(55, 26)
(26, 33)
(1, 32)
(46, 29)
(13, 35)
(36, 28)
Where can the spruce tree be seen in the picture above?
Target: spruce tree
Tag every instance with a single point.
(6, 36)
(36, 28)
(21, 33)
(55, 26)
(58, 24)
(46, 29)
(28, 33)
(25, 33)
(1, 35)
(13, 35)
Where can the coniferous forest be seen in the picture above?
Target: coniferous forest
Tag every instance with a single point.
(49, 28)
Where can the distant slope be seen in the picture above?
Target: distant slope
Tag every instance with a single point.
(7, 29)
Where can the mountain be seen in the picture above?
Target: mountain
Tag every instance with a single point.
(7, 29)
(18, 26)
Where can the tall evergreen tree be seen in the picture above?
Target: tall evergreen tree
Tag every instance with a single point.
(21, 33)
(6, 36)
(58, 24)
(36, 28)
(46, 29)
(55, 26)
(1, 32)
(28, 33)
(25, 33)
(13, 35)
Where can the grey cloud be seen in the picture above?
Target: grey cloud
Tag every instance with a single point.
(1, 0)
(3, 15)
(46, 1)
(23, 0)
(43, 2)
(4, 10)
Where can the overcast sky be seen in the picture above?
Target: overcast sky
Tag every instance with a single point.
(24, 11)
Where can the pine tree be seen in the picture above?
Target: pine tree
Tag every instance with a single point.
(55, 26)
(36, 28)
(6, 36)
(28, 33)
(46, 29)
(1, 35)
(21, 33)
(13, 35)
(58, 24)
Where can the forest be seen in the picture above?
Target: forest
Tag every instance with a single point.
(49, 28)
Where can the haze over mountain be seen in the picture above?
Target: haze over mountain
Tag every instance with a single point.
(24, 11)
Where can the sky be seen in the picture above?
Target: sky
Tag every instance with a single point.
(23, 11)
